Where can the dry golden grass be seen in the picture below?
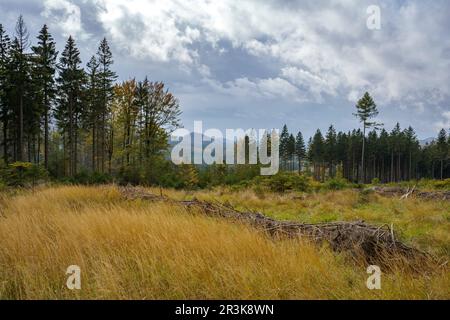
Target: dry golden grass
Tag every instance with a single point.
(424, 224)
(140, 250)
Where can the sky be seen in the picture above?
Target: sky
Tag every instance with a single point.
(264, 63)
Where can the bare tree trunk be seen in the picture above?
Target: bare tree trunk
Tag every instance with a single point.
(392, 166)
(111, 149)
(5, 142)
(432, 169)
(20, 144)
(410, 165)
(442, 169)
(93, 147)
(46, 131)
(75, 149)
(363, 151)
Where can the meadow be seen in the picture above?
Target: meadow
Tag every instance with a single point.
(155, 250)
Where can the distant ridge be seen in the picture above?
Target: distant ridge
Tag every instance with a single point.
(424, 142)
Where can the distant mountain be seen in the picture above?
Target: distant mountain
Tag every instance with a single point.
(424, 142)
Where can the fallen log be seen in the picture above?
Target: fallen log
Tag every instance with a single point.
(372, 244)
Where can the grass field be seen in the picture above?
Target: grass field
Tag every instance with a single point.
(143, 250)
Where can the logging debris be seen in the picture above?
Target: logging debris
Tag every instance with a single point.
(405, 193)
(373, 244)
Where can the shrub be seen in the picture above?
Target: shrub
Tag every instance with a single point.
(375, 181)
(279, 183)
(365, 196)
(337, 184)
(23, 174)
(442, 184)
(259, 192)
(285, 181)
(97, 178)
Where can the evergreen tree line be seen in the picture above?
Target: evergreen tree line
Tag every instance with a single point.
(389, 156)
(70, 118)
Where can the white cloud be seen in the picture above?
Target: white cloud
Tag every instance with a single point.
(66, 16)
(315, 84)
(323, 49)
(270, 88)
(151, 29)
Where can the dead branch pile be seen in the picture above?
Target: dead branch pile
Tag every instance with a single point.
(374, 244)
(404, 193)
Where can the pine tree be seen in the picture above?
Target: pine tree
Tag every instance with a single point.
(300, 150)
(45, 56)
(366, 109)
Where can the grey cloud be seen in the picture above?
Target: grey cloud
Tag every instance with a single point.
(269, 62)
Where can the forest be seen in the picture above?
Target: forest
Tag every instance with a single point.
(389, 156)
(68, 121)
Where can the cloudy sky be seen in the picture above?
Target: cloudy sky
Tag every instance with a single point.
(260, 64)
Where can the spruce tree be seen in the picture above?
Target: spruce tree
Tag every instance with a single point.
(45, 55)
(395, 147)
(93, 103)
(330, 148)
(317, 153)
(106, 79)
(412, 145)
(442, 150)
(70, 101)
(384, 154)
(5, 111)
(291, 151)
(284, 144)
(20, 81)
(300, 150)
